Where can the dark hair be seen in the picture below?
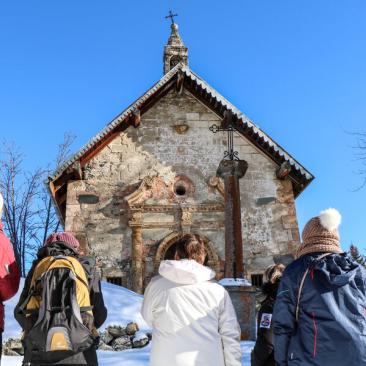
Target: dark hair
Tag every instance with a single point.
(274, 272)
(190, 246)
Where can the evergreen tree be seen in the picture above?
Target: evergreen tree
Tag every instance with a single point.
(359, 258)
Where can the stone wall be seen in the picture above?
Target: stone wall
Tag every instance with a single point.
(171, 148)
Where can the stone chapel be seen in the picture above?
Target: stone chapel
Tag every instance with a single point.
(150, 175)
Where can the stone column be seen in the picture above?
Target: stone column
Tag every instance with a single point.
(135, 224)
(231, 171)
(241, 292)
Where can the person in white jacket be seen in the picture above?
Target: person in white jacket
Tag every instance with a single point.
(192, 317)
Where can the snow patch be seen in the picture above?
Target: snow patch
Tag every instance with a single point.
(123, 307)
(235, 282)
(140, 336)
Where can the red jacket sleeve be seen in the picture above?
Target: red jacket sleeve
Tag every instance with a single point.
(9, 270)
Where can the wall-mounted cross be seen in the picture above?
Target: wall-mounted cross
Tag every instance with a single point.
(171, 16)
(227, 125)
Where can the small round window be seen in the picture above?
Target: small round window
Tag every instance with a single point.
(183, 187)
(180, 190)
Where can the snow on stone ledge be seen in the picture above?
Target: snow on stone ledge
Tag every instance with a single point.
(235, 282)
(140, 336)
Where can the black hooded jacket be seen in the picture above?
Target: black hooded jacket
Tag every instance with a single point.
(263, 353)
(88, 357)
(331, 328)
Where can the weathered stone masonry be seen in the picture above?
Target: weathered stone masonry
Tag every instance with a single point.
(173, 143)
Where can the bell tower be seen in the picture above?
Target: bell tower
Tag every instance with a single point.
(174, 51)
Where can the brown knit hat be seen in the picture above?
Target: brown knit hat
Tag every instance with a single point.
(321, 234)
(65, 237)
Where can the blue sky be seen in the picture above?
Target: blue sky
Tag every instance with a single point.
(296, 68)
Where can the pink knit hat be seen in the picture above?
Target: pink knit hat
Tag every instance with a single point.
(321, 234)
(65, 237)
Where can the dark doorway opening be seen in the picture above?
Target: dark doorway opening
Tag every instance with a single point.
(257, 280)
(115, 281)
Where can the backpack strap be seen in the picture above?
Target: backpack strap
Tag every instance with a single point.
(302, 285)
(76, 275)
(32, 290)
(83, 309)
(36, 281)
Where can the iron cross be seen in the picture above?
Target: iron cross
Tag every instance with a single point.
(171, 16)
(227, 126)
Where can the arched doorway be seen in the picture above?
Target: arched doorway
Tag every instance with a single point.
(163, 252)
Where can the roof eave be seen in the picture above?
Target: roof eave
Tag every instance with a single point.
(215, 102)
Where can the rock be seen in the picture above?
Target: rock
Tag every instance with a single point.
(106, 337)
(10, 352)
(132, 328)
(13, 347)
(105, 347)
(116, 331)
(122, 343)
(140, 340)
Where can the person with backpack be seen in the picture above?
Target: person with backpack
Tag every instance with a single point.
(192, 317)
(320, 312)
(61, 306)
(263, 352)
(9, 272)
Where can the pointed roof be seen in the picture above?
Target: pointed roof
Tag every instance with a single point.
(175, 38)
(180, 76)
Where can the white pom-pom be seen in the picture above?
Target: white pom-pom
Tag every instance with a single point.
(330, 219)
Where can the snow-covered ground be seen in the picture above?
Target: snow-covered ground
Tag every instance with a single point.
(123, 307)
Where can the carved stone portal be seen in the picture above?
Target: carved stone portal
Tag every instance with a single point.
(145, 216)
(213, 260)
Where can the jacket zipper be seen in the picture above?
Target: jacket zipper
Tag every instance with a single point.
(315, 335)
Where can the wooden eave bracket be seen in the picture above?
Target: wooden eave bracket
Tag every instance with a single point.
(228, 119)
(180, 82)
(76, 170)
(136, 117)
(52, 191)
(284, 170)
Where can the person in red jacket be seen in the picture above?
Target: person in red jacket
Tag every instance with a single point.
(9, 272)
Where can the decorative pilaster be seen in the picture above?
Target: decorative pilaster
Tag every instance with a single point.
(135, 224)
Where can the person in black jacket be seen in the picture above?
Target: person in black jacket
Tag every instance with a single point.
(320, 311)
(65, 244)
(263, 352)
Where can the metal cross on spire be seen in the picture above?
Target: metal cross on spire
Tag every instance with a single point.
(171, 16)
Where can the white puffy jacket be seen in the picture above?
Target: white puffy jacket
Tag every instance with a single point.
(193, 320)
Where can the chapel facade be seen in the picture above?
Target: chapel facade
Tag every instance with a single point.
(150, 176)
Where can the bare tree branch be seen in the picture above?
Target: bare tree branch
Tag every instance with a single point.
(360, 155)
(29, 213)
